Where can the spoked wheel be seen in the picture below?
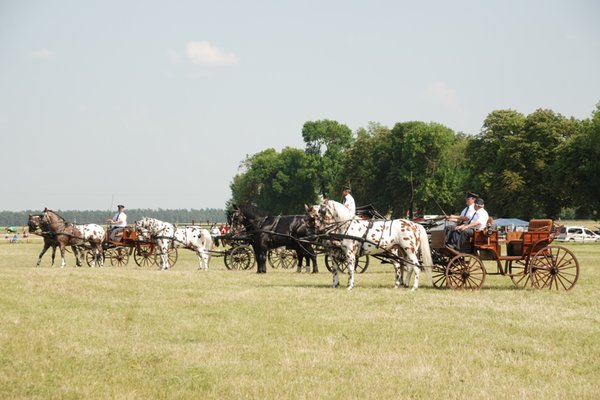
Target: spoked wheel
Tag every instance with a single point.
(144, 255)
(465, 271)
(282, 258)
(554, 267)
(362, 263)
(172, 258)
(438, 272)
(119, 256)
(240, 258)
(519, 273)
(90, 256)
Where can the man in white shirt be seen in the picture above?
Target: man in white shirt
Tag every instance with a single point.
(348, 200)
(119, 222)
(466, 214)
(463, 232)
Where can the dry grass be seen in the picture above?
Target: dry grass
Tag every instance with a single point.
(130, 333)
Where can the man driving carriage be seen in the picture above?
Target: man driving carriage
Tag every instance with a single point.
(461, 233)
(119, 222)
(348, 200)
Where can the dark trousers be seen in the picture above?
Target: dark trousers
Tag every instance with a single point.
(457, 239)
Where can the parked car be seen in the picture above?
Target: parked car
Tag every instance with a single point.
(577, 234)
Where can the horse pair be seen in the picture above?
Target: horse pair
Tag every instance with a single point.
(398, 240)
(269, 232)
(56, 231)
(165, 235)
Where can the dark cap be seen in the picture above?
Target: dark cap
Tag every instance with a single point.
(479, 202)
(346, 187)
(120, 206)
(471, 195)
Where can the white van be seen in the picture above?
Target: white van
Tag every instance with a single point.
(577, 234)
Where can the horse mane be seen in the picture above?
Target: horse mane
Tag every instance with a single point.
(252, 211)
(46, 210)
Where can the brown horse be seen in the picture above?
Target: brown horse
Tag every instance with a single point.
(49, 241)
(65, 233)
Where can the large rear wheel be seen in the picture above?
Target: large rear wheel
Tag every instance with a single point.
(172, 258)
(143, 254)
(240, 258)
(119, 256)
(465, 271)
(554, 267)
(282, 258)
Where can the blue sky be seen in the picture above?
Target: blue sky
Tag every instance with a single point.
(154, 104)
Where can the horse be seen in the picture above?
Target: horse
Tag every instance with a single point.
(165, 235)
(49, 241)
(353, 236)
(266, 232)
(67, 233)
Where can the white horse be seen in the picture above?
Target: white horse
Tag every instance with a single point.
(95, 235)
(165, 236)
(197, 239)
(395, 237)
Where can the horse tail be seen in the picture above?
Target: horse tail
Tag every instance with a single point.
(425, 248)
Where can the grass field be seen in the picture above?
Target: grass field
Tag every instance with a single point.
(131, 333)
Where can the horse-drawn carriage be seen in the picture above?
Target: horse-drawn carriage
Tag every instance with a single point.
(132, 244)
(529, 259)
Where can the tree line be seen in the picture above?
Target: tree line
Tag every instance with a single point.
(538, 165)
(177, 216)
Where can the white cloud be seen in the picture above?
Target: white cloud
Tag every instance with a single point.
(204, 53)
(441, 94)
(43, 54)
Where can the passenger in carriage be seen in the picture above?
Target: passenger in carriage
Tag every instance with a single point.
(119, 222)
(348, 200)
(463, 232)
(452, 221)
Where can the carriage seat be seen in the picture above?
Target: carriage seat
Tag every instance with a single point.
(519, 243)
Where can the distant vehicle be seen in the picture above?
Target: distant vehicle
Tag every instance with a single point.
(577, 234)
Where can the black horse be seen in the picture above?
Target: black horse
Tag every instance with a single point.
(265, 232)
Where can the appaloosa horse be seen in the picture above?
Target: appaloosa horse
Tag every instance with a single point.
(165, 236)
(353, 236)
(266, 232)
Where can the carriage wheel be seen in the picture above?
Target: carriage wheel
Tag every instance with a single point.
(519, 273)
(89, 257)
(465, 271)
(554, 267)
(144, 255)
(240, 258)
(172, 258)
(362, 263)
(284, 258)
(119, 257)
(438, 272)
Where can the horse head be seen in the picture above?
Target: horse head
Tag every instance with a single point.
(246, 217)
(34, 222)
(312, 218)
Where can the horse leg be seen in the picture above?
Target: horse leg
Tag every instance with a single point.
(53, 254)
(336, 272)
(299, 256)
(78, 254)
(399, 273)
(99, 254)
(417, 271)
(62, 256)
(46, 246)
(315, 268)
(351, 263)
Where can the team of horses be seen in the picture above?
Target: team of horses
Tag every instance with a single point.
(330, 225)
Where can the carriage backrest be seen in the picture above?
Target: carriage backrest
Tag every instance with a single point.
(537, 235)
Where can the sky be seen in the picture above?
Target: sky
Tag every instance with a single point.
(154, 104)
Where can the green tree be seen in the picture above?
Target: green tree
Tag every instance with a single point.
(277, 182)
(577, 170)
(325, 142)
